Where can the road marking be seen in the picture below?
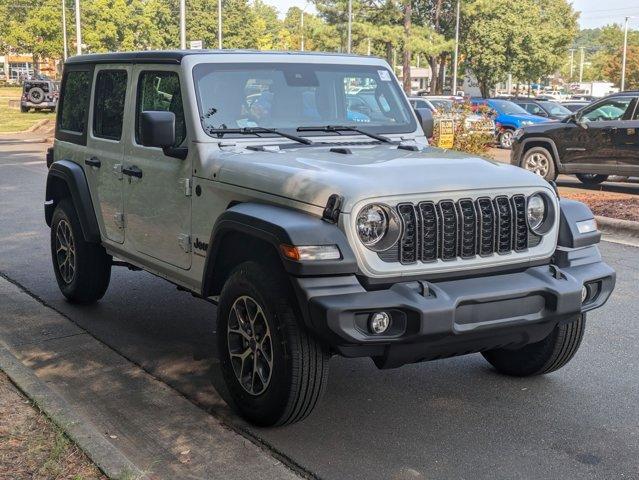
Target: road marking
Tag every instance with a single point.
(39, 162)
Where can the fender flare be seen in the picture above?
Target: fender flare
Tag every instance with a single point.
(549, 141)
(72, 175)
(277, 225)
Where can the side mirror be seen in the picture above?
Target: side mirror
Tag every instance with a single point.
(157, 129)
(425, 119)
(576, 119)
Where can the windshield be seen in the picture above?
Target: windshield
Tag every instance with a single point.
(554, 108)
(442, 105)
(288, 96)
(507, 107)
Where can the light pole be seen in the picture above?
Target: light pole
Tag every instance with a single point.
(219, 24)
(350, 21)
(183, 24)
(572, 62)
(625, 52)
(78, 32)
(65, 52)
(581, 65)
(302, 27)
(454, 87)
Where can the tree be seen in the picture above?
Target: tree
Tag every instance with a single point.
(612, 69)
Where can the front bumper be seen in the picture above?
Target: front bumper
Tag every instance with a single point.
(438, 319)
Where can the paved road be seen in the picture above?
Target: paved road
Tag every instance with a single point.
(452, 418)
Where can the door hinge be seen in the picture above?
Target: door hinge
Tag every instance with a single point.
(117, 171)
(184, 241)
(188, 187)
(119, 219)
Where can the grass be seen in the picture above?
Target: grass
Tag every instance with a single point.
(11, 118)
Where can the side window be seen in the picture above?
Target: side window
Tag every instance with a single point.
(75, 101)
(608, 110)
(108, 111)
(161, 91)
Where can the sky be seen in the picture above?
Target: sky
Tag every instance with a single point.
(593, 13)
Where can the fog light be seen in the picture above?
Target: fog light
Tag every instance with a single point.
(379, 322)
(584, 294)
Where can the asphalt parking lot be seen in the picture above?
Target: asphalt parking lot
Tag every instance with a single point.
(453, 418)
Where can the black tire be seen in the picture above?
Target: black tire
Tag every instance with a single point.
(299, 364)
(505, 138)
(24, 109)
(539, 160)
(591, 178)
(546, 356)
(36, 95)
(85, 277)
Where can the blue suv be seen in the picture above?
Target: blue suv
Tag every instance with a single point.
(508, 118)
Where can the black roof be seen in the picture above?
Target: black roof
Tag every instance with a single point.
(173, 56)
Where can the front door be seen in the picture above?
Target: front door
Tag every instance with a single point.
(157, 202)
(105, 149)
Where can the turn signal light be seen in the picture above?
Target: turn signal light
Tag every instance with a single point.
(310, 253)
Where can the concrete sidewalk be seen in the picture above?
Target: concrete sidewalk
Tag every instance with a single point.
(160, 432)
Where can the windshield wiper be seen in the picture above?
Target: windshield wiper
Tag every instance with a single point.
(256, 131)
(344, 128)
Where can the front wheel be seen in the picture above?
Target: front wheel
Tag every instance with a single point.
(506, 138)
(539, 160)
(274, 370)
(546, 356)
(591, 178)
(82, 269)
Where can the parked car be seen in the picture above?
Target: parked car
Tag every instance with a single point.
(440, 106)
(542, 108)
(314, 234)
(599, 140)
(574, 105)
(508, 118)
(39, 95)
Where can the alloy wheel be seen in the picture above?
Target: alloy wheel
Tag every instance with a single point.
(537, 163)
(65, 251)
(250, 345)
(506, 139)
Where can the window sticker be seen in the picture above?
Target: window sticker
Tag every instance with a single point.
(384, 76)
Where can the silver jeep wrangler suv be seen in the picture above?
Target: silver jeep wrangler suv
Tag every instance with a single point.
(260, 182)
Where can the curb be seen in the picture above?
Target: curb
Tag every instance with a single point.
(108, 458)
(615, 226)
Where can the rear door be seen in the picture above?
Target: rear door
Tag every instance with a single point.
(627, 140)
(105, 149)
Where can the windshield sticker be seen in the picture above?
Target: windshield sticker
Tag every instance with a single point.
(384, 76)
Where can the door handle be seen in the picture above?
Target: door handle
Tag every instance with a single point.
(132, 171)
(93, 162)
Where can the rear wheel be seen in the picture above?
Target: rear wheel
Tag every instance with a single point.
(591, 178)
(24, 109)
(539, 160)
(82, 269)
(546, 356)
(274, 370)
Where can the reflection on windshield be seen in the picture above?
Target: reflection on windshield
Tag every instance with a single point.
(286, 96)
(508, 108)
(555, 108)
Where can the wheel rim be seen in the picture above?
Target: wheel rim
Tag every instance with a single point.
(65, 251)
(250, 345)
(538, 163)
(507, 139)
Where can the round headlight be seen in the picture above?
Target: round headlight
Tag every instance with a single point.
(372, 223)
(378, 227)
(536, 212)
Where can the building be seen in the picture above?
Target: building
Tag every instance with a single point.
(13, 67)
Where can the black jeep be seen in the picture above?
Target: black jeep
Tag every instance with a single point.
(598, 140)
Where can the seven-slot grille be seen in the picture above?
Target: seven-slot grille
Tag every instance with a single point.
(466, 228)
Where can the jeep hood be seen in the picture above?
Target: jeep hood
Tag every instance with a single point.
(312, 174)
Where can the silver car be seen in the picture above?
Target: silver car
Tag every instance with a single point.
(299, 193)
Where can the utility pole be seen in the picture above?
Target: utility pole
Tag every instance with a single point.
(625, 49)
(581, 65)
(350, 21)
(369, 47)
(302, 27)
(219, 24)
(78, 32)
(65, 52)
(183, 24)
(572, 63)
(454, 86)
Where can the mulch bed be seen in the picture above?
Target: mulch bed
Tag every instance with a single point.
(606, 204)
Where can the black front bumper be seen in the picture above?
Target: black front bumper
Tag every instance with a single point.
(439, 319)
